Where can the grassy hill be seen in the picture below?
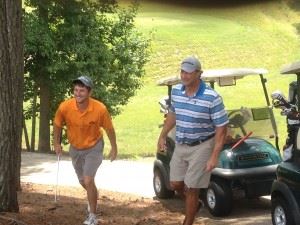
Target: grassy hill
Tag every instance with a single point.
(228, 35)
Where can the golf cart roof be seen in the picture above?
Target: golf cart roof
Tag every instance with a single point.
(293, 68)
(217, 75)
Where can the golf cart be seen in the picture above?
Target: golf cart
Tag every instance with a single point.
(285, 193)
(247, 164)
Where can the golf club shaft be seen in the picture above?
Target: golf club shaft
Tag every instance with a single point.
(241, 140)
(57, 172)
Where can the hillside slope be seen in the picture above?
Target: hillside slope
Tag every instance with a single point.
(260, 34)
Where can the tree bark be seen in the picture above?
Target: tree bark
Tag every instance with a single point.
(43, 82)
(33, 122)
(26, 135)
(11, 98)
(44, 128)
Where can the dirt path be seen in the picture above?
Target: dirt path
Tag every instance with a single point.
(37, 206)
(121, 175)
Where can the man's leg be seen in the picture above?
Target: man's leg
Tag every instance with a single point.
(191, 205)
(86, 164)
(93, 160)
(191, 198)
(178, 186)
(82, 184)
(89, 185)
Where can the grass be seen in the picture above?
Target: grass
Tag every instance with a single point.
(258, 34)
(254, 35)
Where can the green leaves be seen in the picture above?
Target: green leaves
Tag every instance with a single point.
(66, 38)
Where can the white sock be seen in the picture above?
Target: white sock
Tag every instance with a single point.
(92, 215)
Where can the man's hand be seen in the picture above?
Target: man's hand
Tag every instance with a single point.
(219, 142)
(57, 139)
(113, 154)
(58, 149)
(211, 164)
(161, 145)
(169, 123)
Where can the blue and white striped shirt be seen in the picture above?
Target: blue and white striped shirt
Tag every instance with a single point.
(199, 115)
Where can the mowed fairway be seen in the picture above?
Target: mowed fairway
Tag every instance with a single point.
(258, 34)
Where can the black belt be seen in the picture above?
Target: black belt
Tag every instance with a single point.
(200, 141)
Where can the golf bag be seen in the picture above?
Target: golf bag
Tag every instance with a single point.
(289, 109)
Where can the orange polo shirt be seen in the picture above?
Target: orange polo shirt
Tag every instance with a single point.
(83, 128)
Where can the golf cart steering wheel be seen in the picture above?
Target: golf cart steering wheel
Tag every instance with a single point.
(238, 118)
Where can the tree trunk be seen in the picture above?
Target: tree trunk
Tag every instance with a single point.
(26, 134)
(11, 98)
(33, 122)
(43, 82)
(44, 128)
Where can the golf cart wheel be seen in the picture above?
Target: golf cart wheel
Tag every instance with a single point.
(218, 198)
(281, 214)
(160, 188)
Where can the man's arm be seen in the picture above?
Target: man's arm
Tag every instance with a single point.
(57, 139)
(168, 125)
(219, 143)
(111, 134)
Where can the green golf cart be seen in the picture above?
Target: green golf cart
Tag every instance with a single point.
(248, 161)
(285, 193)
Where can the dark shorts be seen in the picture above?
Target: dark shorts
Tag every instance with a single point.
(86, 162)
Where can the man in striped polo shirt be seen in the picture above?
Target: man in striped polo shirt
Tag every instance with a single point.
(198, 113)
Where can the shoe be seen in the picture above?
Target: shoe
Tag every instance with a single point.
(91, 220)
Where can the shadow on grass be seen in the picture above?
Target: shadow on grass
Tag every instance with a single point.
(295, 5)
(212, 3)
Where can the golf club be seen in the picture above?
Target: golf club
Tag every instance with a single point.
(241, 141)
(56, 186)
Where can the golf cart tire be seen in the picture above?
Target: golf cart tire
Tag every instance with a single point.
(281, 209)
(160, 187)
(218, 198)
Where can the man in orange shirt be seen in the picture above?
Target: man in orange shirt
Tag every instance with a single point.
(84, 117)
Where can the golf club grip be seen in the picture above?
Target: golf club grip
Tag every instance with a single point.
(241, 140)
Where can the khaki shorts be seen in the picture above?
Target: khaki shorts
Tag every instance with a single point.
(188, 164)
(86, 162)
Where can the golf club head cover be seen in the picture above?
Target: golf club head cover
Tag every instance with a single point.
(279, 100)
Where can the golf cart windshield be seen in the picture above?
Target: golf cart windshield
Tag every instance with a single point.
(245, 120)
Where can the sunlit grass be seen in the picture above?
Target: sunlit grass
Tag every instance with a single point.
(259, 35)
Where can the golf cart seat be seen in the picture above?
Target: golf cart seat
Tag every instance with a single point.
(238, 118)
